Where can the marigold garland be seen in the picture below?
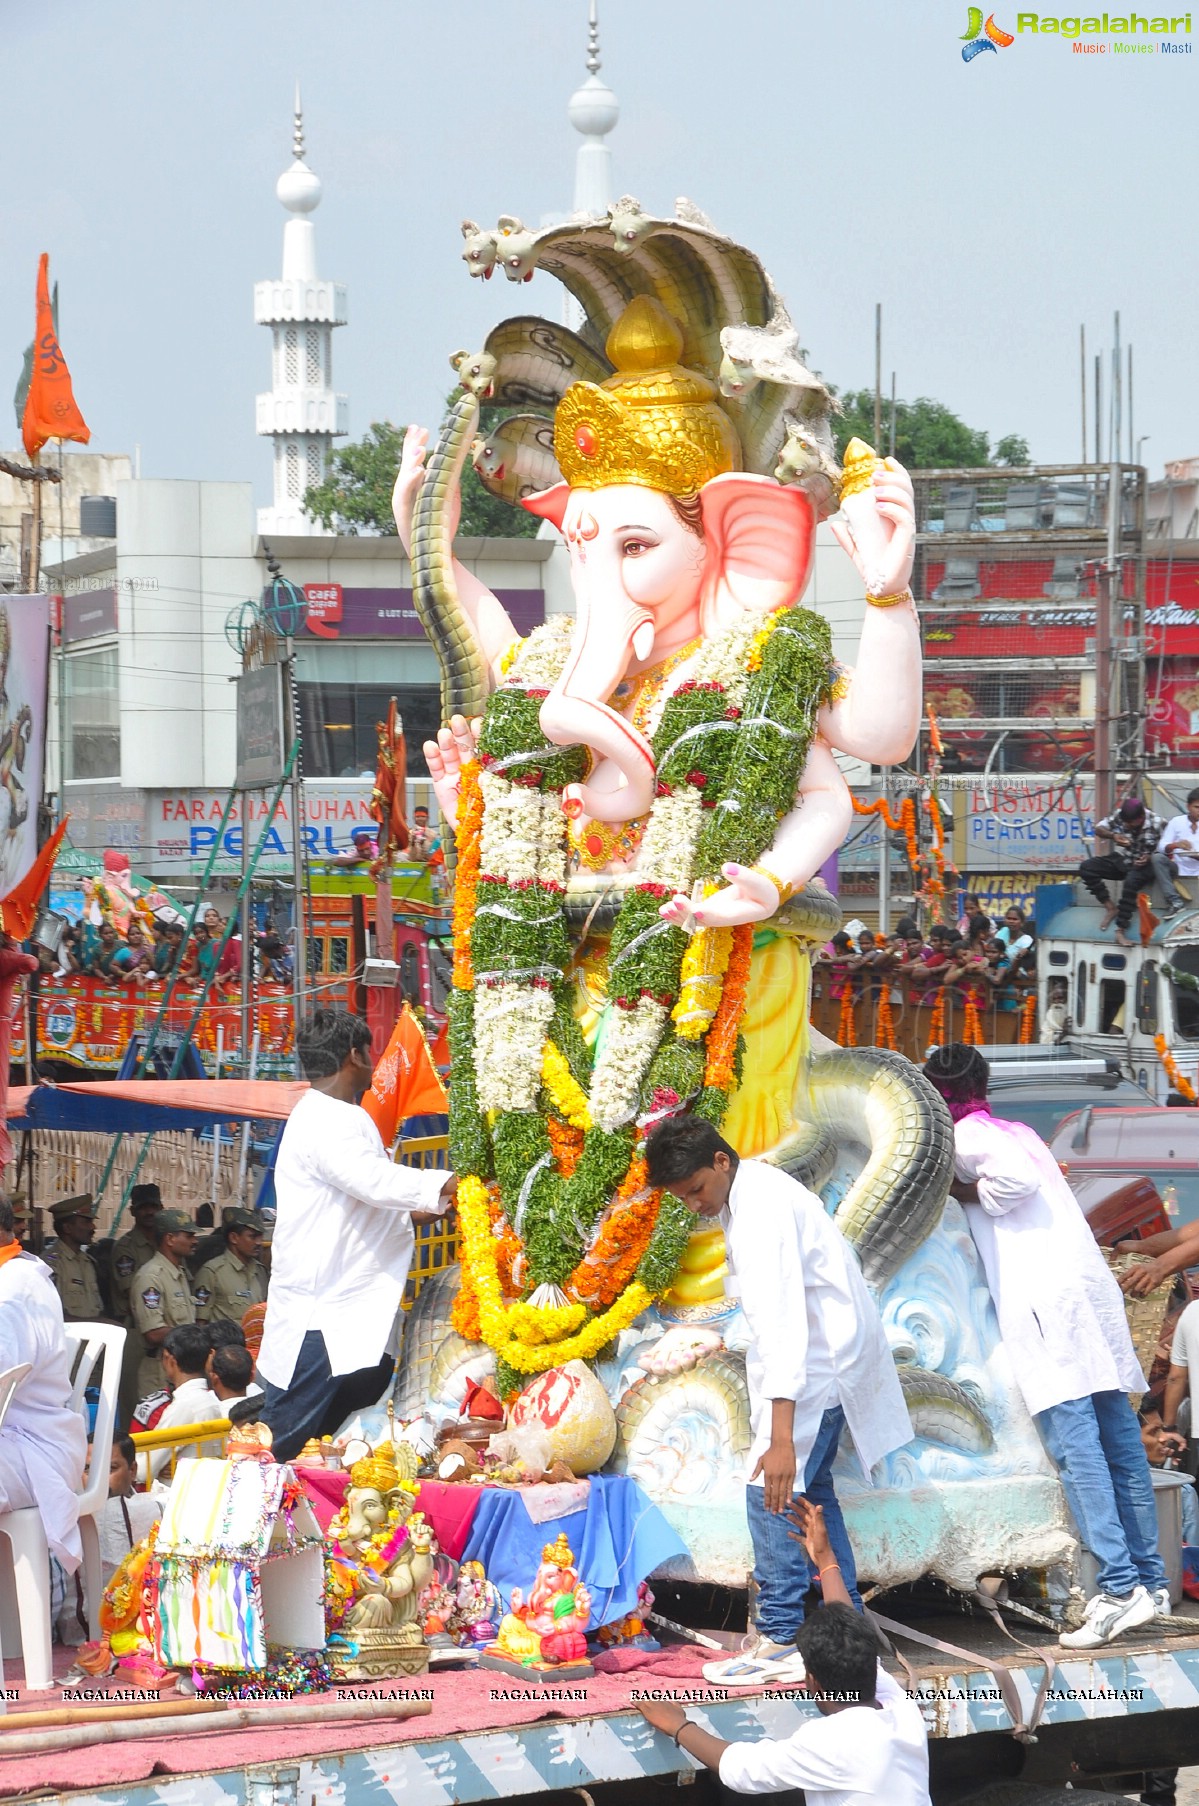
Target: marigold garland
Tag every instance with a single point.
(467, 836)
(566, 1094)
(702, 979)
(972, 1023)
(761, 639)
(604, 1270)
(1028, 1019)
(722, 1036)
(936, 1022)
(884, 1028)
(566, 1145)
(847, 1034)
(1177, 1079)
(904, 822)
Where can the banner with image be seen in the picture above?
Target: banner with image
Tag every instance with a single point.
(24, 666)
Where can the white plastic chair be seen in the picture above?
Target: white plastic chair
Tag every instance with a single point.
(94, 1340)
(86, 1344)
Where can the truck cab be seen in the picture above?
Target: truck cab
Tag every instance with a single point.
(1127, 1003)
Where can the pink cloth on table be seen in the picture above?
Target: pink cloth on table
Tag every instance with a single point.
(450, 1508)
(325, 1489)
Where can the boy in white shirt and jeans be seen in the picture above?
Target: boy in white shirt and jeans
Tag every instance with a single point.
(867, 1745)
(818, 1362)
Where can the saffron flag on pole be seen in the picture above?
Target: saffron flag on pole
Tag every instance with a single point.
(405, 1081)
(50, 407)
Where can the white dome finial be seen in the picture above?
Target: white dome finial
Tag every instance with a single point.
(298, 189)
(593, 108)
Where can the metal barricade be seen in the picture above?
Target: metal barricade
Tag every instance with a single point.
(436, 1243)
(207, 1438)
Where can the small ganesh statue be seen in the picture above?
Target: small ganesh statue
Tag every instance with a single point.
(547, 1630)
(380, 1559)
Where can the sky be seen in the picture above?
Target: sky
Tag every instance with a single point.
(991, 207)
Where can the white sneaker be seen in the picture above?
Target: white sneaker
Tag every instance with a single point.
(1161, 1603)
(1107, 1616)
(763, 1664)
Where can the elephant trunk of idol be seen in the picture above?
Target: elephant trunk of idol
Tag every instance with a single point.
(576, 714)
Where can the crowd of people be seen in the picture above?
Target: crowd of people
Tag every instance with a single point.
(995, 962)
(156, 950)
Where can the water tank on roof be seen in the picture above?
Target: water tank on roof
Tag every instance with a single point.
(98, 516)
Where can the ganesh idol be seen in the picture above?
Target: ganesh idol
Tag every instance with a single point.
(643, 793)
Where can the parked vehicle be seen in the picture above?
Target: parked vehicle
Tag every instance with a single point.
(1041, 1086)
(1158, 1144)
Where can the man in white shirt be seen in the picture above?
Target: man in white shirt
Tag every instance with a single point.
(230, 1373)
(343, 1243)
(1183, 1378)
(1061, 1317)
(818, 1361)
(867, 1745)
(184, 1356)
(43, 1443)
(1180, 841)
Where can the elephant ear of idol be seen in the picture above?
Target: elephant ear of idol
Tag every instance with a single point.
(723, 299)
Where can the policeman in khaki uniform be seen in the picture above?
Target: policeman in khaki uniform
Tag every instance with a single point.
(160, 1295)
(129, 1252)
(69, 1261)
(133, 1249)
(227, 1286)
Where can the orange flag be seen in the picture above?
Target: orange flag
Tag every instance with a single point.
(1146, 920)
(50, 410)
(405, 1081)
(18, 910)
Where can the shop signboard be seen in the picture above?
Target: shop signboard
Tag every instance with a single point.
(183, 826)
(261, 728)
(336, 611)
(1022, 824)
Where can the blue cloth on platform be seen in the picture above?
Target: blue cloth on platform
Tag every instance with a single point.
(617, 1541)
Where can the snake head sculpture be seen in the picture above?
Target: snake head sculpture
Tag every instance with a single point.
(809, 464)
(479, 251)
(475, 371)
(516, 248)
(628, 224)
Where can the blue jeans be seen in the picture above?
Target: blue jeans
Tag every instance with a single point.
(781, 1567)
(1096, 1444)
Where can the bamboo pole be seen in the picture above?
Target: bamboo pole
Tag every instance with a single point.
(84, 1715)
(380, 1711)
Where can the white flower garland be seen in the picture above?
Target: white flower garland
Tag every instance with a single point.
(629, 1045)
(523, 835)
(511, 1023)
(670, 839)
